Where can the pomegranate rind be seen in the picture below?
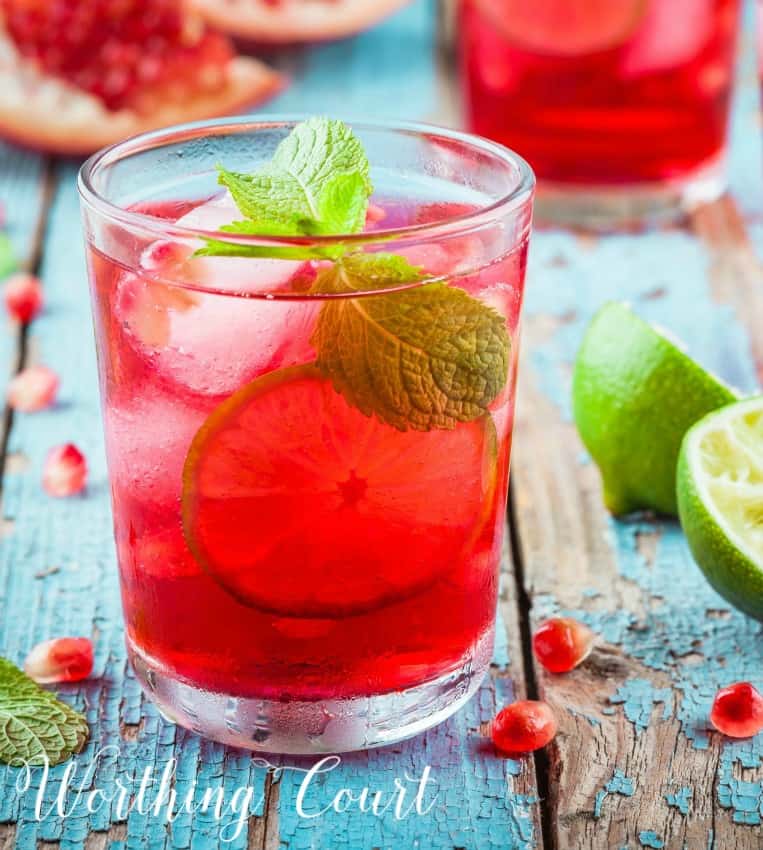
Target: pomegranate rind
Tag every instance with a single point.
(48, 114)
(293, 21)
(265, 516)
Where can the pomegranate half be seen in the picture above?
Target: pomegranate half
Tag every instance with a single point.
(75, 77)
(290, 21)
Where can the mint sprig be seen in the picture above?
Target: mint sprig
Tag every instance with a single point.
(428, 356)
(317, 184)
(34, 724)
(423, 358)
(7, 256)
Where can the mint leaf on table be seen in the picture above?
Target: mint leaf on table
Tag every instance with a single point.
(422, 358)
(34, 723)
(317, 184)
(7, 256)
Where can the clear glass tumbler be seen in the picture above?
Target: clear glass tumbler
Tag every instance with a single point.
(309, 489)
(620, 106)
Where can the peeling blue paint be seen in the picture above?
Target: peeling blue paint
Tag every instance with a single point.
(647, 838)
(685, 630)
(480, 806)
(618, 784)
(680, 799)
(594, 721)
(638, 698)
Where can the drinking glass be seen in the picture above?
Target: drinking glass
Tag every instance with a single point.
(300, 573)
(620, 106)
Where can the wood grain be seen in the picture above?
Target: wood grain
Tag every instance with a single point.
(633, 742)
(634, 764)
(485, 802)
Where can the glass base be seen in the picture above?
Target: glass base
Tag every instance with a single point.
(323, 726)
(628, 207)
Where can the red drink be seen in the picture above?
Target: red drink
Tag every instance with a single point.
(281, 550)
(597, 93)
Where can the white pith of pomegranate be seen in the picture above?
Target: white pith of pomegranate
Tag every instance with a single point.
(77, 76)
(289, 21)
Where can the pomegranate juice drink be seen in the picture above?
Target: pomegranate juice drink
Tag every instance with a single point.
(609, 96)
(307, 367)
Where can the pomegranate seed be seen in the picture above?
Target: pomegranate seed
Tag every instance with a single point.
(561, 643)
(163, 254)
(523, 727)
(375, 214)
(33, 389)
(65, 471)
(23, 297)
(738, 711)
(68, 659)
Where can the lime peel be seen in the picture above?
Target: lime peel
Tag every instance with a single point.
(635, 394)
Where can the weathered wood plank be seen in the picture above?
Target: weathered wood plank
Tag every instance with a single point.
(635, 763)
(24, 190)
(633, 741)
(485, 802)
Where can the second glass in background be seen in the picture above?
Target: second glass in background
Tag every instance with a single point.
(620, 107)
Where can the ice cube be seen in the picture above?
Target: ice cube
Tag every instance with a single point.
(148, 440)
(213, 343)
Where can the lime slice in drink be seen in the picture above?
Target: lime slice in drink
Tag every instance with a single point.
(720, 501)
(635, 394)
(566, 27)
(299, 504)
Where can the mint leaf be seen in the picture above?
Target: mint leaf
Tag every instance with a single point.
(422, 358)
(34, 724)
(317, 184)
(7, 256)
(218, 248)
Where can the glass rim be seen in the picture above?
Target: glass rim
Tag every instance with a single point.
(515, 200)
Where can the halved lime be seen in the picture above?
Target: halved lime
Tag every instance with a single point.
(720, 501)
(635, 394)
(566, 27)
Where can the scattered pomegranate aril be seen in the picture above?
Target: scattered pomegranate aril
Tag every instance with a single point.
(375, 214)
(164, 254)
(23, 297)
(65, 471)
(33, 389)
(561, 644)
(738, 711)
(523, 727)
(68, 659)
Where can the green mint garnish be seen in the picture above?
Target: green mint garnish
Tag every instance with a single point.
(317, 184)
(422, 358)
(7, 256)
(428, 356)
(34, 724)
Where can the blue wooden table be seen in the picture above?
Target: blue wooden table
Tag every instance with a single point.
(634, 764)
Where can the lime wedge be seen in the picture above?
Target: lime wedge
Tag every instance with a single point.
(720, 501)
(635, 394)
(299, 504)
